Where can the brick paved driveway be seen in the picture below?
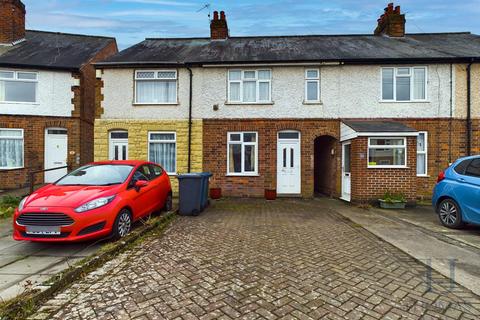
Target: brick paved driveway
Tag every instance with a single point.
(252, 259)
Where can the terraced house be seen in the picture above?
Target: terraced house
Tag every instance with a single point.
(349, 116)
(47, 97)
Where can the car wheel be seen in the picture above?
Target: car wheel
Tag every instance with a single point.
(122, 225)
(168, 203)
(450, 214)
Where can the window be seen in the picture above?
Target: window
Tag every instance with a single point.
(422, 153)
(156, 171)
(404, 84)
(11, 148)
(312, 85)
(460, 168)
(156, 87)
(242, 155)
(18, 86)
(387, 152)
(473, 168)
(163, 150)
(118, 145)
(249, 86)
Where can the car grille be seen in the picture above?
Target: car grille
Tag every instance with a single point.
(44, 219)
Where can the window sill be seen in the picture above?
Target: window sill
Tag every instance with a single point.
(388, 167)
(155, 104)
(242, 175)
(410, 101)
(313, 103)
(423, 175)
(11, 169)
(15, 102)
(249, 103)
(172, 174)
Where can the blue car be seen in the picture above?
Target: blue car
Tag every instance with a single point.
(456, 196)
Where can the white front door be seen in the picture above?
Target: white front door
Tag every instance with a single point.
(346, 174)
(288, 163)
(56, 148)
(118, 145)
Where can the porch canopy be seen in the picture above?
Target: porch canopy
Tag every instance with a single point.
(351, 129)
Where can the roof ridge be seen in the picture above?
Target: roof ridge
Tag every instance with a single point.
(71, 34)
(310, 35)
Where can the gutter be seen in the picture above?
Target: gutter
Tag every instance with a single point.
(190, 120)
(469, 109)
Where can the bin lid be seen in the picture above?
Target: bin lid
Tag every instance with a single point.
(189, 176)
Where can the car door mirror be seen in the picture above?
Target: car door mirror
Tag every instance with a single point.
(141, 184)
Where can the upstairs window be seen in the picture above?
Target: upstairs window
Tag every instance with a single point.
(312, 85)
(18, 86)
(249, 86)
(156, 87)
(404, 84)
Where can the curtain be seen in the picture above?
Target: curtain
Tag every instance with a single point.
(235, 158)
(11, 153)
(249, 91)
(156, 91)
(264, 91)
(163, 153)
(419, 83)
(234, 91)
(2, 90)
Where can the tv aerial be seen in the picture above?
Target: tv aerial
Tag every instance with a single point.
(207, 7)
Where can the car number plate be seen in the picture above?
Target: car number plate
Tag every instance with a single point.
(43, 230)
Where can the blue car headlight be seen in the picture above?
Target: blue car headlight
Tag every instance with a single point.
(94, 204)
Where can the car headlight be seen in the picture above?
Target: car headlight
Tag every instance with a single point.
(94, 204)
(21, 204)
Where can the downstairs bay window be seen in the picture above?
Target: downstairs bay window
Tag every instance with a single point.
(242, 153)
(162, 149)
(387, 152)
(11, 148)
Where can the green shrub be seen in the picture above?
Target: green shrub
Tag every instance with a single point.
(390, 197)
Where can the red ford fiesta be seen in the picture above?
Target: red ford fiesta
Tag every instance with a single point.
(97, 200)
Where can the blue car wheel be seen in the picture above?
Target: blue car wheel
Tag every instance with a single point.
(450, 214)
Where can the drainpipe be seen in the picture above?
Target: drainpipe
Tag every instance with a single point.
(469, 109)
(190, 121)
(451, 117)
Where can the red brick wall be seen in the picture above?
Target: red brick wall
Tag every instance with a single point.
(34, 141)
(367, 184)
(372, 183)
(215, 152)
(12, 21)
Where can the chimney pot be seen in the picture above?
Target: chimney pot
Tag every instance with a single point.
(391, 23)
(12, 15)
(218, 27)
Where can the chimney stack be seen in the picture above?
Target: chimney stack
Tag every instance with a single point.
(218, 26)
(12, 21)
(391, 23)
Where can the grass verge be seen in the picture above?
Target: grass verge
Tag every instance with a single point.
(7, 206)
(27, 303)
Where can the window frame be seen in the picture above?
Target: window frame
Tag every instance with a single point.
(370, 146)
(411, 76)
(23, 146)
(257, 86)
(155, 71)
(243, 144)
(164, 141)
(15, 79)
(425, 152)
(317, 80)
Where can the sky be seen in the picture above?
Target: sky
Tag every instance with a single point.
(131, 21)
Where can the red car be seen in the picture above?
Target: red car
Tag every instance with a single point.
(97, 200)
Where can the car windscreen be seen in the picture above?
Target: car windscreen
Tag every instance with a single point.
(97, 175)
